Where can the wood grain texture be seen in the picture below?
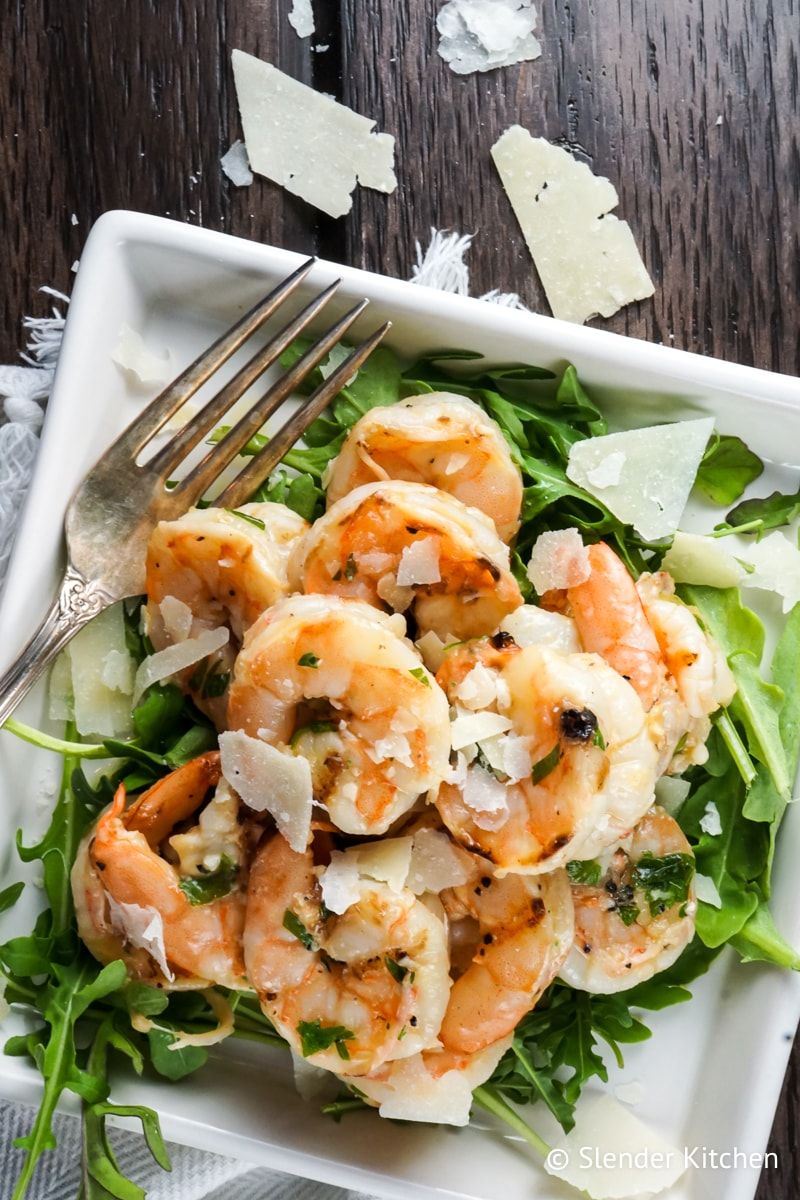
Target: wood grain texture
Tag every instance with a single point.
(131, 105)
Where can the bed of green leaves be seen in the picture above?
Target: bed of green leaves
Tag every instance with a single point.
(558, 1047)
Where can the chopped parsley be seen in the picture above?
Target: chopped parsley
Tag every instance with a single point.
(212, 886)
(295, 926)
(545, 765)
(589, 872)
(664, 881)
(308, 660)
(421, 674)
(598, 739)
(394, 968)
(315, 1037)
(259, 524)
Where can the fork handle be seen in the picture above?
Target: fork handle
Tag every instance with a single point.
(78, 600)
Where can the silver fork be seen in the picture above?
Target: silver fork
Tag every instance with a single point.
(110, 517)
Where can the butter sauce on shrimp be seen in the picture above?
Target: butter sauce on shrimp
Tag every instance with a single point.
(128, 897)
(408, 547)
(352, 991)
(440, 439)
(336, 679)
(636, 915)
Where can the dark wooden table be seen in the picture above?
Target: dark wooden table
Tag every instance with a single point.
(129, 104)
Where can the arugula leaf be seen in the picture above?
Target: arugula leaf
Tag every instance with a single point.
(727, 467)
(760, 941)
(314, 1037)
(158, 712)
(214, 885)
(766, 512)
(10, 895)
(173, 1064)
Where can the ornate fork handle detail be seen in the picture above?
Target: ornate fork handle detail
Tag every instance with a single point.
(78, 600)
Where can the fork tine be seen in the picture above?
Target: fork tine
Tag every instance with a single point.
(262, 464)
(200, 479)
(167, 403)
(175, 451)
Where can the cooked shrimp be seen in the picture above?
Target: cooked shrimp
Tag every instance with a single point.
(573, 770)
(638, 915)
(335, 678)
(441, 439)
(211, 568)
(435, 1086)
(524, 928)
(129, 901)
(413, 549)
(701, 673)
(348, 992)
(612, 623)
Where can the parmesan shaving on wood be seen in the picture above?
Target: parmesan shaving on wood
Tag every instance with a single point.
(308, 143)
(586, 258)
(659, 471)
(236, 165)
(301, 18)
(270, 780)
(481, 35)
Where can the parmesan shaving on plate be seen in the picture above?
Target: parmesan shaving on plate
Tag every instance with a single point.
(435, 863)
(270, 780)
(612, 1155)
(168, 662)
(142, 928)
(481, 35)
(660, 467)
(236, 165)
(694, 558)
(586, 258)
(419, 563)
(558, 560)
(533, 626)
(132, 354)
(102, 676)
(301, 18)
(474, 727)
(308, 143)
(777, 568)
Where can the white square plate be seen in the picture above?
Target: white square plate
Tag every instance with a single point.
(713, 1070)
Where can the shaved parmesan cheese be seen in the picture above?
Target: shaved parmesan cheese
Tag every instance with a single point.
(671, 791)
(707, 891)
(236, 165)
(142, 928)
(177, 618)
(481, 35)
(474, 727)
(132, 354)
(508, 754)
(612, 1155)
(478, 689)
(173, 659)
(486, 797)
(101, 670)
(270, 780)
(630, 1093)
(306, 142)
(711, 822)
(530, 625)
(586, 258)
(337, 356)
(559, 559)
(660, 467)
(395, 747)
(396, 597)
(340, 882)
(431, 647)
(419, 563)
(777, 568)
(435, 863)
(608, 472)
(301, 18)
(314, 1085)
(387, 861)
(694, 558)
